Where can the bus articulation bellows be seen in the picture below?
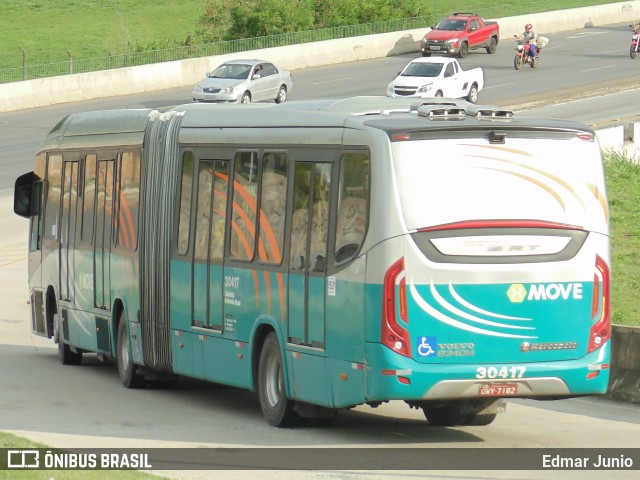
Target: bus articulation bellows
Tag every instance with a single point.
(327, 253)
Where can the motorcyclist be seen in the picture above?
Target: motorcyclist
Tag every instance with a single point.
(528, 37)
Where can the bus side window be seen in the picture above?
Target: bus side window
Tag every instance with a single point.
(185, 202)
(219, 206)
(129, 199)
(88, 198)
(352, 205)
(35, 234)
(54, 189)
(203, 210)
(272, 207)
(243, 216)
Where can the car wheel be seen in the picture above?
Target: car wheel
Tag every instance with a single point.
(246, 98)
(493, 44)
(426, 54)
(473, 94)
(464, 49)
(282, 94)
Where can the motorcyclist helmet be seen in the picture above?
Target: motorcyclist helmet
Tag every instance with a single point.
(527, 27)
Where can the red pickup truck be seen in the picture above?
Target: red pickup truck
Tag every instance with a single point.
(460, 32)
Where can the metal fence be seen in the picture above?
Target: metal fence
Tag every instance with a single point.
(82, 65)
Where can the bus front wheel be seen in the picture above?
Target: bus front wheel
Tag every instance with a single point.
(126, 367)
(276, 407)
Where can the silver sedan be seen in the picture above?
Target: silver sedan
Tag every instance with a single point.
(244, 81)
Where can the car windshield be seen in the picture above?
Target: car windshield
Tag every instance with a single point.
(448, 24)
(228, 70)
(419, 69)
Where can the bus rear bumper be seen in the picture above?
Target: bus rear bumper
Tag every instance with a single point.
(393, 377)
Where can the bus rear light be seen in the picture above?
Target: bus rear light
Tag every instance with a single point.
(601, 307)
(393, 335)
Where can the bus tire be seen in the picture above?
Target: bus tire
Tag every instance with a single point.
(276, 407)
(126, 367)
(65, 354)
(444, 416)
(481, 420)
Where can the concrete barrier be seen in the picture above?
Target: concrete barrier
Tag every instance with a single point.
(624, 382)
(625, 362)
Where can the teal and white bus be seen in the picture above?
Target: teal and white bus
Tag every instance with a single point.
(327, 254)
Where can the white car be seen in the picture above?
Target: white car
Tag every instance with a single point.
(437, 77)
(244, 81)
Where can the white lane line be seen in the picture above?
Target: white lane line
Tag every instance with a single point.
(499, 86)
(334, 80)
(598, 68)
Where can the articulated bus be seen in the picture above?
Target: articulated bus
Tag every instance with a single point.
(326, 254)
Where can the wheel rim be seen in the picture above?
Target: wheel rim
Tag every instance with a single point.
(474, 95)
(282, 94)
(273, 382)
(246, 98)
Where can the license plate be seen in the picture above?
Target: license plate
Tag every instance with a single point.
(434, 47)
(497, 389)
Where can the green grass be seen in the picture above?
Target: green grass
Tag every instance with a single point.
(623, 190)
(8, 440)
(49, 30)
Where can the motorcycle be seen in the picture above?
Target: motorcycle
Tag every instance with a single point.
(523, 57)
(635, 40)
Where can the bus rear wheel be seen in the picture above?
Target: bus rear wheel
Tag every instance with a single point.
(444, 416)
(480, 420)
(126, 367)
(276, 407)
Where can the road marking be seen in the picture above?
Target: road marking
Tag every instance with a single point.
(335, 80)
(585, 34)
(501, 85)
(598, 68)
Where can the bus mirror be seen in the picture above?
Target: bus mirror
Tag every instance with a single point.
(24, 204)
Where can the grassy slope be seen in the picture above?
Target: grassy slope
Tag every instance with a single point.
(47, 29)
(623, 190)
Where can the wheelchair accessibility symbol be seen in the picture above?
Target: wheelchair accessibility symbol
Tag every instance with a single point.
(427, 346)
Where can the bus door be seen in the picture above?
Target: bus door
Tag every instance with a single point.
(208, 253)
(68, 217)
(308, 254)
(103, 233)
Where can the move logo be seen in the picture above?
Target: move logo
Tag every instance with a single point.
(518, 293)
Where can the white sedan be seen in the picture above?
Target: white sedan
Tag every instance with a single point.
(244, 81)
